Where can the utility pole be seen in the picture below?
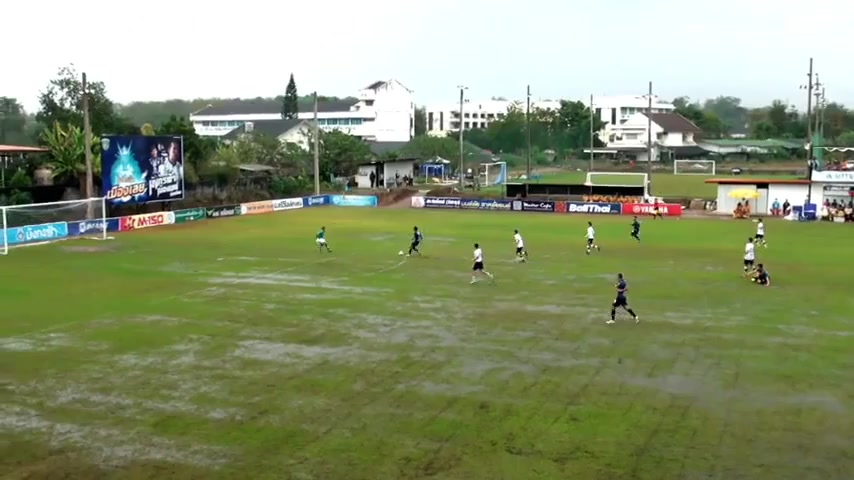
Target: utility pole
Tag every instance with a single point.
(649, 138)
(316, 136)
(87, 146)
(590, 168)
(462, 151)
(528, 133)
(822, 104)
(809, 87)
(817, 88)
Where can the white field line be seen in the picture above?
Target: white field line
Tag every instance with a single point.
(155, 301)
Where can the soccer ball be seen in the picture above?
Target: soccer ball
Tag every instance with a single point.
(400, 253)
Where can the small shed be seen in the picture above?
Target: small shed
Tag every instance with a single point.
(832, 185)
(767, 190)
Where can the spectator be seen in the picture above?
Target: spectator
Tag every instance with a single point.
(373, 177)
(775, 208)
(787, 207)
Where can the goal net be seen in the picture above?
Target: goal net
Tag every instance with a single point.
(494, 173)
(39, 223)
(694, 167)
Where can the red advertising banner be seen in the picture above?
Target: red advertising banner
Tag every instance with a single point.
(668, 209)
(146, 220)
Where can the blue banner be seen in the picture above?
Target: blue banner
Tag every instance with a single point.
(36, 233)
(527, 206)
(353, 200)
(598, 208)
(315, 201)
(485, 204)
(142, 169)
(441, 202)
(92, 227)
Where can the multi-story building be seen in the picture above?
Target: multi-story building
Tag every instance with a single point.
(672, 135)
(384, 111)
(445, 118)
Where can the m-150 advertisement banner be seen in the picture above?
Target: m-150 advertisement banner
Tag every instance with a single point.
(254, 208)
(529, 206)
(36, 233)
(92, 227)
(594, 208)
(142, 169)
(315, 201)
(668, 209)
(485, 204)
(287, 204)
(441, 202)
(146, 220)
(223, 211)
(189, 215)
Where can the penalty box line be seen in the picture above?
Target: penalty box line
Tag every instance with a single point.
(156, 301)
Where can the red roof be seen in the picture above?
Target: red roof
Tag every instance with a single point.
(21, 149)
(754, 181)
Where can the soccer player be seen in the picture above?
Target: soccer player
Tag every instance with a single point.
(320, 240)
(416, 240)
(636, 229)
(477, 268)
(762, 277)
(749, 256)
(656, 211)
(591, 238)
(760, 234)
(621, 300)
(521, 251)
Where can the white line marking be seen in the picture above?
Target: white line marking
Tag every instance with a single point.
(386, 269)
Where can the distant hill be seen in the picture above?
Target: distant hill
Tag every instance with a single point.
(158, 112)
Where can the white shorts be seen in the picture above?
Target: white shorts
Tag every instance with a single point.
(320, 241)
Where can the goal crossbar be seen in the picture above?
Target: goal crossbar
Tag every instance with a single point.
(644, 180)
(39, 223)
(694, 167)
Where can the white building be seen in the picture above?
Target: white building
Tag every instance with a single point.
(671, 133)
(445, 118)
(384, 112)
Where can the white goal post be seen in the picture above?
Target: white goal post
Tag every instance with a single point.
(39, 223)
(694, 167)
(498, 175)
(619, 179)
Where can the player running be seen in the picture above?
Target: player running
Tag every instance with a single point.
(621, 300)
(656, 211)
(762, 277)
(416, 240)
(760, 234)
(636, 229)
(320, 240)
(591, 239)
(521, 251)
(749, 256)
(477, 268)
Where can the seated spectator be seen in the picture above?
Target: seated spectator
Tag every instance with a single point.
(739, 211)
(849, 212)
(775, 208)
(787, 207)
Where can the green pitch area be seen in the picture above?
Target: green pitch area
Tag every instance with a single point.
(233, 349)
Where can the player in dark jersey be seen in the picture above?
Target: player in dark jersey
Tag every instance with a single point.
(636, 229)
(761, 276)
(621, 300)
(416, 240)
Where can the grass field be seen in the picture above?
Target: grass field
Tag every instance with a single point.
(663, 184)
(232, 349)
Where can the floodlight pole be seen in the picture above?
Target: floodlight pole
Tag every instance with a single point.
(316, 135)
(87, 145)
(809, 87)
(649, 138)
(462, 150)
(590, 169)
(528, 134)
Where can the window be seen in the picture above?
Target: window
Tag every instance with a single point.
(430, 121)
(468, 125)
(613, 116)
(468, 115)
(442, 121)
(355, 121)
(369, 103)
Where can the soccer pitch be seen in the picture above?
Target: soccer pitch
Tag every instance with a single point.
(233, 349)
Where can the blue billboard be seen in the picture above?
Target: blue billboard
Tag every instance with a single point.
(315, 201)
(441, 202)
(353, 200)
(36, 233)
(142, 169)
(485, 204)
(93, 227)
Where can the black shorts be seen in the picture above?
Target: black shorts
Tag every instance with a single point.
(519, 250)
(414, 244)
(635, 233)
(589, 241)
(620, 302)
(748, 263)
(477, 267)
(759, 237)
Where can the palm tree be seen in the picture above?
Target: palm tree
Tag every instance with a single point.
(68, 154)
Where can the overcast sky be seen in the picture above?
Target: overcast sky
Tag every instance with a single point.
(155, 50)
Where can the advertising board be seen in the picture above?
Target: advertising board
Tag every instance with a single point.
(315, 201)
(669, 209)
(441, 202)
(222, 211)
(142, 169)
(286, 204)
(36, 233)
(189, 215)
(146, 220)
(92, 227)
(255, 208)
(353, 200)
(593, 208)
(528, 206)
(485, 204)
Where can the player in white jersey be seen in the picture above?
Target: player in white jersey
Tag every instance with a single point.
(760, 233)
(591, 238)
(749, 256)
(521, 251)
(477, 268)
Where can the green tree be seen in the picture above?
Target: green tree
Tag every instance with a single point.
(147, 130)
(428, 147)
(68, 154)
(341, 154)
(706, 120)
(197, 150)
(62, 102)
(13, 121)
(420, 121)
(846, 139)
(290, 102)
(729, 110)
